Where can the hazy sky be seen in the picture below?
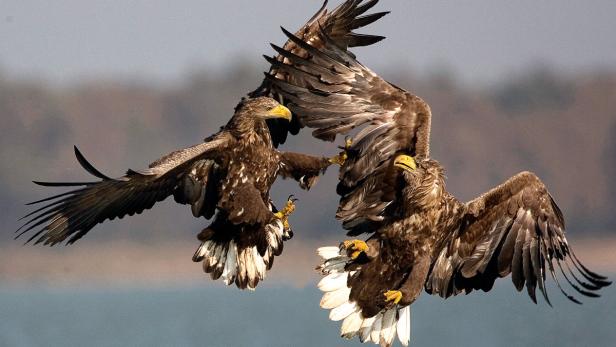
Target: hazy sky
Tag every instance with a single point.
(154, 39)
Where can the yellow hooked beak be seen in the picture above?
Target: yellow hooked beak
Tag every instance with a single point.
(279, 112)
(405, 162)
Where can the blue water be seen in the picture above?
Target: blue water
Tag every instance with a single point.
(278, 316)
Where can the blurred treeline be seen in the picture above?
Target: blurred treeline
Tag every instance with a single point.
(563, 127)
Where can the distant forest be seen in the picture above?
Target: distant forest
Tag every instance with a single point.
(561, 127)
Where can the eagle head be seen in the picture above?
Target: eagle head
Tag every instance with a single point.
(408, 169)
(425, 180)
(263, 108)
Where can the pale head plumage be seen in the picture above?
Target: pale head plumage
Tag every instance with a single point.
(424, 180)
(262, 108)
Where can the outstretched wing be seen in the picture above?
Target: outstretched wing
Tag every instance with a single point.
(514, 228)
(328, 89)
(69, 216)
(339, 25)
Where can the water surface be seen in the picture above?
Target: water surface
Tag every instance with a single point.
(277, 316)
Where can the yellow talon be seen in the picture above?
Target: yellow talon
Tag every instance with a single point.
(348, 141)
(341, 158)
(356, 246)
(284, 214)
(393, 295)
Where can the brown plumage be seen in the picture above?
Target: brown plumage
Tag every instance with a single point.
(338, 24)
(227, 177)
(421, 236)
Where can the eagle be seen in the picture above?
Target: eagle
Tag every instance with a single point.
(420, 236)
(226, 178)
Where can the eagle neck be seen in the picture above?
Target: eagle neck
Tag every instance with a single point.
(251, 131)
(428, 193)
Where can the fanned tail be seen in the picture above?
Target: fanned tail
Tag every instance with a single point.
(238, 259)
(382, 328)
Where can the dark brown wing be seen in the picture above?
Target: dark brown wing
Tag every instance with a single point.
(69, 216)
(335, 94)
(514, 228)
(339, 25)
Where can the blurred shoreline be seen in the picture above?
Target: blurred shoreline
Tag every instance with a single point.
(560, 126)
(126, 264)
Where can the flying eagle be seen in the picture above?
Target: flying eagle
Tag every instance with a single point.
(227, 177)
(421, 237)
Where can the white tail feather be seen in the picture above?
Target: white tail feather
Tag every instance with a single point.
(202, 250)
(376, 328)
(230, 270)
(251, 271)
(404, 325)
(342, 311)
(220, 265)
(272, 239)
(333, 282)
(351, 324)
(259, 264)
(365, 329)
(213, 256)
(388, 328)
(335, 298)
(328, 252)
(242, 268)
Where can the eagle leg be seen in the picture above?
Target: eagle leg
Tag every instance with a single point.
(355, 247)
(284, 214)
(393, 296)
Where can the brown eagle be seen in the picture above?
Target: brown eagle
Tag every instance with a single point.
(227, 177)
(421, 236)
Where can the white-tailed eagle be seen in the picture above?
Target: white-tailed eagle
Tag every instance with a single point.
(227, 177)
(421, 237)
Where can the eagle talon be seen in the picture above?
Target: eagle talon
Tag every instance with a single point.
(284, 214)
(341, 158)
(348, 142)
(393, 296)
(356, 247)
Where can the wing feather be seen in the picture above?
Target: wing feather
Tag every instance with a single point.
(70, 215)
(338, 24)
(529, 238)
(332, 92)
